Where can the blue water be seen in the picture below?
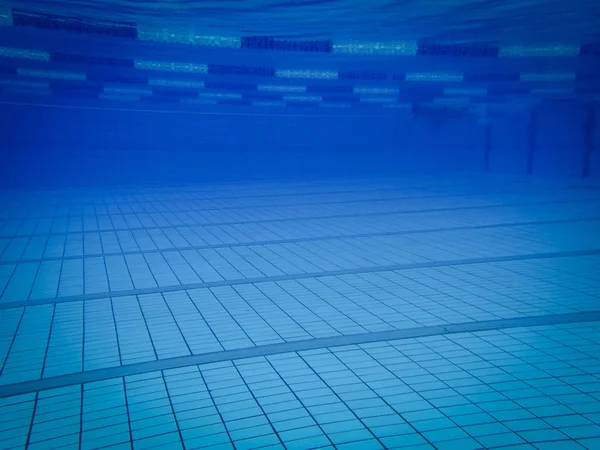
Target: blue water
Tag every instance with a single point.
(464, 20)
(299, 225)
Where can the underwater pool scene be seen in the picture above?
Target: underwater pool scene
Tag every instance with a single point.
(302, 224)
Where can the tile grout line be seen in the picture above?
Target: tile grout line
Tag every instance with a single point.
(296, 219)
(215, 187)
(277, 205)
(288, 347)
(332, 273)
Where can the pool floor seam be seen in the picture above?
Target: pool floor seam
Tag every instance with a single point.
(294, 240)
(331, 273)
(329, 202)
(289, 347)
(296, 219)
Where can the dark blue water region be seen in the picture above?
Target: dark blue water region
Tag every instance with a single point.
(129, 30)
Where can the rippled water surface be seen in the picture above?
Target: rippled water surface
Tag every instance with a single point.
(503, 21)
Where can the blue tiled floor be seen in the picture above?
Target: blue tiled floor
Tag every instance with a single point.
(107, 297)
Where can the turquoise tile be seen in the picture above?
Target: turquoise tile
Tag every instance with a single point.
(38, 435)
(241, 414)
(487, 428)
(390, 419)
(460, 410)
(187, 411)
(403, 408)
(245, 423)
(512, 415)
(559, 445)
(571, 420)
(340, 427)
(247, 433)
(432, 424)
(249, 404)
(391, 430)
(288, 399)
(136, 408)
(169, 440)
(105, 413)
(281, 406)
(345, 436)
(299, 433)
(551, 411)
(590, 444)
(308, 443)
(425, 414)
(212, 441)
(166, 425)
(526, 425)
(287, 425)
(203, 431)
(582, 431)
(241, 397)
(498, 440)
(368, 444)
(267, 392)
(447, 434)
(379, 411)
(323, 400)
(403, 441)
(462, 444)
(288, 415)
(108, 421)
(67, 442)
(257, 442)
(586, 408)
(201, 421)
(504, 405)
(326, 409)
(105, 439)
(542, 435)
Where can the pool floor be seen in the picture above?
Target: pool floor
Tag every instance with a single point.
(420, 312)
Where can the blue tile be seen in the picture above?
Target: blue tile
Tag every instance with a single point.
(391, 430)
(211, 441)
(203, 431)
(257, 442)
(246, 423)
(287, 425)
(390, 419)
(308, 443)
(105, 439)
(526, 425)
(300, 433)
(591, 444)
(345, 436)
(200, 421)
(567, 421)
(370, 444)
(542, 435)
(498, 440)
(425, 414)
(288, 415)
(447, 434)
(188, 412)
(339, 427)
(433, 424)
(462, 444)
(559, 445)
(580, 432)
(403, 441)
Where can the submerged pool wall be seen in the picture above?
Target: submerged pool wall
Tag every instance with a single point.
(63, 146)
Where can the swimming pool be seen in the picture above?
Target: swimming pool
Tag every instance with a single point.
(299, 225)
